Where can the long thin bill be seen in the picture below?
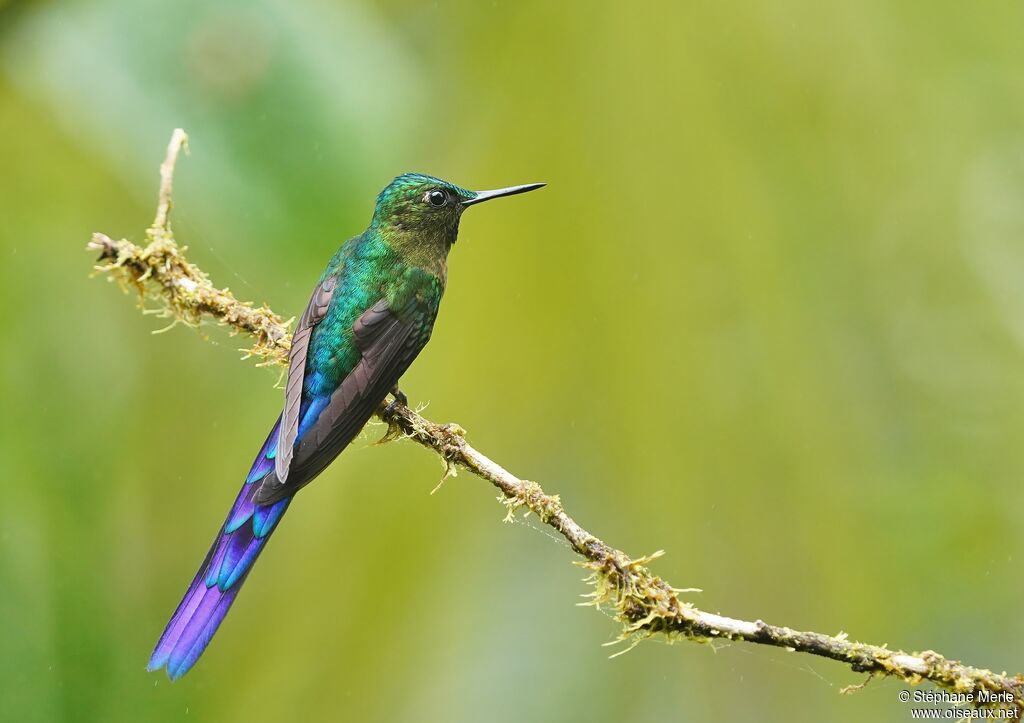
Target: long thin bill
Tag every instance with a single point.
(499, 192)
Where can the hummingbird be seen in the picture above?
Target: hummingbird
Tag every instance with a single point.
(370, 315)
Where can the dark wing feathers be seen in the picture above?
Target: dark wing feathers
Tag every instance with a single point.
(315, 311)
(388, 343)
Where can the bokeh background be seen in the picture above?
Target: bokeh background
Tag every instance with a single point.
(768, 316)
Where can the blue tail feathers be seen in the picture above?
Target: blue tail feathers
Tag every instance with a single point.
(241, 539)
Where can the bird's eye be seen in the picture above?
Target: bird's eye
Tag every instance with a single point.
(437, 199)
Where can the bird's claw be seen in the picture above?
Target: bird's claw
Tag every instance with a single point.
(400, 399)
(394, 430)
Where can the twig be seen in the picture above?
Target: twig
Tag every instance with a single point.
(162, 222)
(183, 291)
(644, 603)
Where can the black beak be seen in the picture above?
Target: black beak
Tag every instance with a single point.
(499, 192)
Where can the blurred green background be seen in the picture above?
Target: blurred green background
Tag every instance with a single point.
(768, 315)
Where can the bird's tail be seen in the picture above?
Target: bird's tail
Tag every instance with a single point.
(244, 534)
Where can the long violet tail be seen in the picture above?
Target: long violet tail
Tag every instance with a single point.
(244, 534)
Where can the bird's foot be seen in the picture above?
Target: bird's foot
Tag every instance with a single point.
(400, 398)
(387, 414)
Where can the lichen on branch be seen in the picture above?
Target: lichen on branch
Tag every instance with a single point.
(183, 292)
(642, 602)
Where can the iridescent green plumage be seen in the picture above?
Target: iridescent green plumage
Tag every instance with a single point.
(369, 269)
(370, 315)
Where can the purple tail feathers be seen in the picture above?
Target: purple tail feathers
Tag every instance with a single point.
(241, 539)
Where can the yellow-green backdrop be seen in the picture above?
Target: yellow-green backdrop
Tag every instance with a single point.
(768, 316)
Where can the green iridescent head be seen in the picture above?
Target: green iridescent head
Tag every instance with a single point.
(429, 208)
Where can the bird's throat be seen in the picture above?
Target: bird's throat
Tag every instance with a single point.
(424, 248)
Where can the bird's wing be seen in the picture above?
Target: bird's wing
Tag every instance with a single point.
(315, 311)
(388, 340)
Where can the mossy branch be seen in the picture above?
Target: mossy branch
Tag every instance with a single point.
(643, 603)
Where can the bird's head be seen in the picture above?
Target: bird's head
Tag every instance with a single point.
(423, 209)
